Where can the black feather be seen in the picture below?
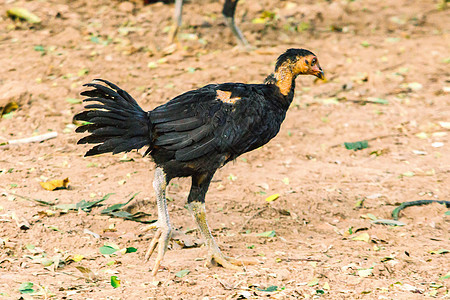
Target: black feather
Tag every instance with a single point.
(118, 124)
(291, 55)
(184, 124)
(196, 150)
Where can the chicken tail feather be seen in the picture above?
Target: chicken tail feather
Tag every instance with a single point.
(116, 122)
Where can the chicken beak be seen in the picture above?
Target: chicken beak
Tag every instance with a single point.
(320, 75)
(318, 72)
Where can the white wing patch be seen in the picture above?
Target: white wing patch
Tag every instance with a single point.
(225, 96)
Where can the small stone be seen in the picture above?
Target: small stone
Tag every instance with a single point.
(126, 7)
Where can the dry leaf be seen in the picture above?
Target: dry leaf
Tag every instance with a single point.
(365, 272)
(55, 184)
(23, 14)
(362, 237)
(272, 197)
(87, 273)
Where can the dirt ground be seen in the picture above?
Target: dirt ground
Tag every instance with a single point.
(387, 64)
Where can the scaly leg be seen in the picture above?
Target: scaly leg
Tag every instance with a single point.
(229, 9)
(177, 21)
(164, 229)
(196, 206)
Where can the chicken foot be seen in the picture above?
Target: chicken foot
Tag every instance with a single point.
(216, 257)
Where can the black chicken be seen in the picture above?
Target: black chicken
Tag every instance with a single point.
(194, 134)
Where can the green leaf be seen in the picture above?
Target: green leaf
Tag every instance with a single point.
(387, 258)
(83, 72)
(435, 285)
(88, 205)
(440, 251)
(377, 100)
(232, 177)
(26, 288)
(113, 208)
(182, 273)
(271, 288)
(447, 213)
(107, 250)
(39, 48)
(95, 39)
(350, 230)
(303, 26)
(356, 145)
(110, 263)
(130, 250)
(54, 228)
(118, 206)
(115, 282)
(270, 233)
(8, 115)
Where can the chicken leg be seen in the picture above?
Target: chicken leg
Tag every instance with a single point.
(164, 228)
(228, 11)
(196, 206)
(177, 24)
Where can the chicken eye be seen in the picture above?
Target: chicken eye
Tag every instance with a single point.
(313, 62)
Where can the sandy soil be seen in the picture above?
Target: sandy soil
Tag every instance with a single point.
(325, 244)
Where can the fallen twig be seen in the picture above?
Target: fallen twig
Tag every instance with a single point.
(361, 101)
(253, 216)
(70, 274)
(388, 222)
(33, 139)
(21, 222)
(299, 259)
(224, 284)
